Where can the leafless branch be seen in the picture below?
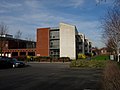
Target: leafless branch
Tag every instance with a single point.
(111, 28)
(3, 31)
(18, 34)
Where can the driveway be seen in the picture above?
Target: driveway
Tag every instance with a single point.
(50, 76)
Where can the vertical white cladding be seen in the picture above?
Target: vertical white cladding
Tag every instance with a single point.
(67, 41)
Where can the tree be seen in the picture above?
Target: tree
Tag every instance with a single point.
(29, 38)
(117, 2)
(100, 1)
(3, 28)
(3, 31)
(18, 34)
(17, 37)
(111, 28)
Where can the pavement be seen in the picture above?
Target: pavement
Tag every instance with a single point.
(50, 76)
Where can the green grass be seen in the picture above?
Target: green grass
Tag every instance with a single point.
(95, 62)
(100, 57)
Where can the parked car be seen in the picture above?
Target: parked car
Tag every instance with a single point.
(6, 62)
(16, 63)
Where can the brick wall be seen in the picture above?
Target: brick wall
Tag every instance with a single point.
(42, 45)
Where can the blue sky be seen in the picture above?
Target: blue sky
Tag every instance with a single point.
(28, 15)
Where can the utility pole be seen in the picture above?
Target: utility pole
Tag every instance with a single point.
(118, 41)
(118, 53)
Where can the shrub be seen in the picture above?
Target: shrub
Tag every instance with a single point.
(81, 56)
(20, 58)
(48, 59)
(89, 54)
(30, 58)
(42, 58)
(64, 59)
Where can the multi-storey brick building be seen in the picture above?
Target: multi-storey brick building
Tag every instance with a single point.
(10, 46)
(64, 41)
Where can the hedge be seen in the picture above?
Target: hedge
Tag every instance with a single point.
(88, 63)
(47, 59)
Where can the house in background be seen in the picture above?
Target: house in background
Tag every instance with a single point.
(104, 51)
(100, 51)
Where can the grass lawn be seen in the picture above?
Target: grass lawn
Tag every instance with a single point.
(95, 62)
(100, 57)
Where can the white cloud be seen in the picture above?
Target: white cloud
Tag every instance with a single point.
(3, 11)
(97, 1)
(33, 3)
(70, 3)
(10, 5)
(36, 13)
(76, 3)
(31, 22)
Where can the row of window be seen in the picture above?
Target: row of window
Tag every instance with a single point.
(23, 53)
(54, 52)
(54, 34)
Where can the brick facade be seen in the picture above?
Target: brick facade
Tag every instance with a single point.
(42, 45)
(17, 47)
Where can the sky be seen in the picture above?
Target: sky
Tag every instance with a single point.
(28, 15)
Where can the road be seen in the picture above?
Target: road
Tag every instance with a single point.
(50, 76)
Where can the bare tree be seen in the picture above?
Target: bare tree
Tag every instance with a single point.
(117, 2)
(111, 29)
(17, 37)
(3, 31)
(3, 28)
(111, 46)
(29, 38)
(18, 34)
(99, 1)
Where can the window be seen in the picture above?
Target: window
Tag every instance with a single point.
(22, 53)
(31, 53)
(51, 52)
(51, 44)
(53, 36)
(14, 53)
